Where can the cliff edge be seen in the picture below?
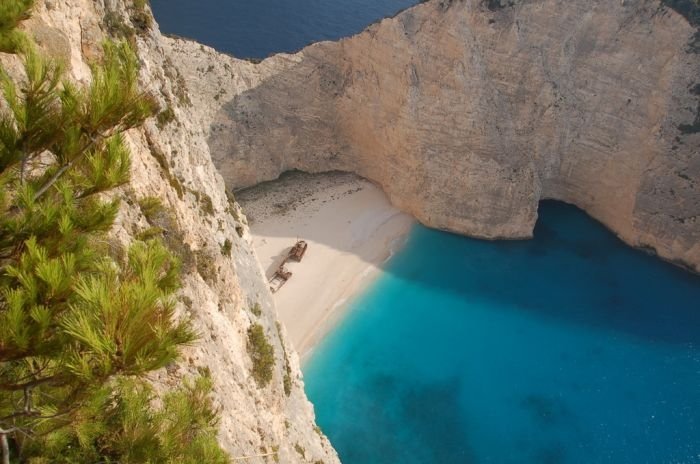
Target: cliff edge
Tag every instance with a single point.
(224, 290)
(469, 112)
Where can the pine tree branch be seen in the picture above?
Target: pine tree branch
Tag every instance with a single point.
(5, 446)
(27, 399)
(35, 415)
(67, 166)
(32, 374)
(31, 384)
(22, 169)
(94, 140)
(16, 415)
(15, 429)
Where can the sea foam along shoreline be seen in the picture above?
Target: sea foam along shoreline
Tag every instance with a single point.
(351, 229)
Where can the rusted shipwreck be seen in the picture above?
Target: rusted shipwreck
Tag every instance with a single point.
(282, 274)
(298, 251)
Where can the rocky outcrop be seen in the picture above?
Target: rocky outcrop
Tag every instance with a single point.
(224, 288)
(469, 112)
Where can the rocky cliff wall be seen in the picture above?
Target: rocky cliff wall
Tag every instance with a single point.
(224, 289)
(469, 112)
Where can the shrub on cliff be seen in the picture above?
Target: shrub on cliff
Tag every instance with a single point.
(80, 326)
(262, 354)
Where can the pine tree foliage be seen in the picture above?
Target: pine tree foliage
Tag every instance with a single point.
(12, 12)
(59, 148)
(128, 428)
(79, 326)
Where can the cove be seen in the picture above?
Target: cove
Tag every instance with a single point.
(256, 29)
(568, 348)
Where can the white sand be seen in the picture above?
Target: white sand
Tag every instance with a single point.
(351, 229)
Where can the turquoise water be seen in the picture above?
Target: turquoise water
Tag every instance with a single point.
(569, 348)
(256, 29)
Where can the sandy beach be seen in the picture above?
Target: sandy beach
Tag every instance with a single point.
(351, 229)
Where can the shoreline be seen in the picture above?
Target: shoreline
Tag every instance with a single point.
(351, 230)
(335, 314)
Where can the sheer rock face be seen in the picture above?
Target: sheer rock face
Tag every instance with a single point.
(171, 161)
(468, 114)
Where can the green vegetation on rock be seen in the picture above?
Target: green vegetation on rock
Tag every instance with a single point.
(12, 12)
(226, 248)
(150, 207)
(262, 354)
(81, 325)
(140, 21)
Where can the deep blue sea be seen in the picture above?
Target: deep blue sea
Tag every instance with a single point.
(571, 348)
(258, 28)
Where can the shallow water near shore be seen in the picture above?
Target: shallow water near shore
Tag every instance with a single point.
(569, 348)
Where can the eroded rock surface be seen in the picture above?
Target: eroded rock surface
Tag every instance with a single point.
(224, 290)
(469, 112)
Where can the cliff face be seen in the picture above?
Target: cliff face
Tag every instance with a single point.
(224, 289)
(468, 113)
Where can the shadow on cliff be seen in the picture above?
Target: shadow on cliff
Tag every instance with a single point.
(574, 271)
(244, 136)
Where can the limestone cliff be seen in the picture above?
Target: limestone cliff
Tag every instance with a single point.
(224, 289)
(469, 112)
